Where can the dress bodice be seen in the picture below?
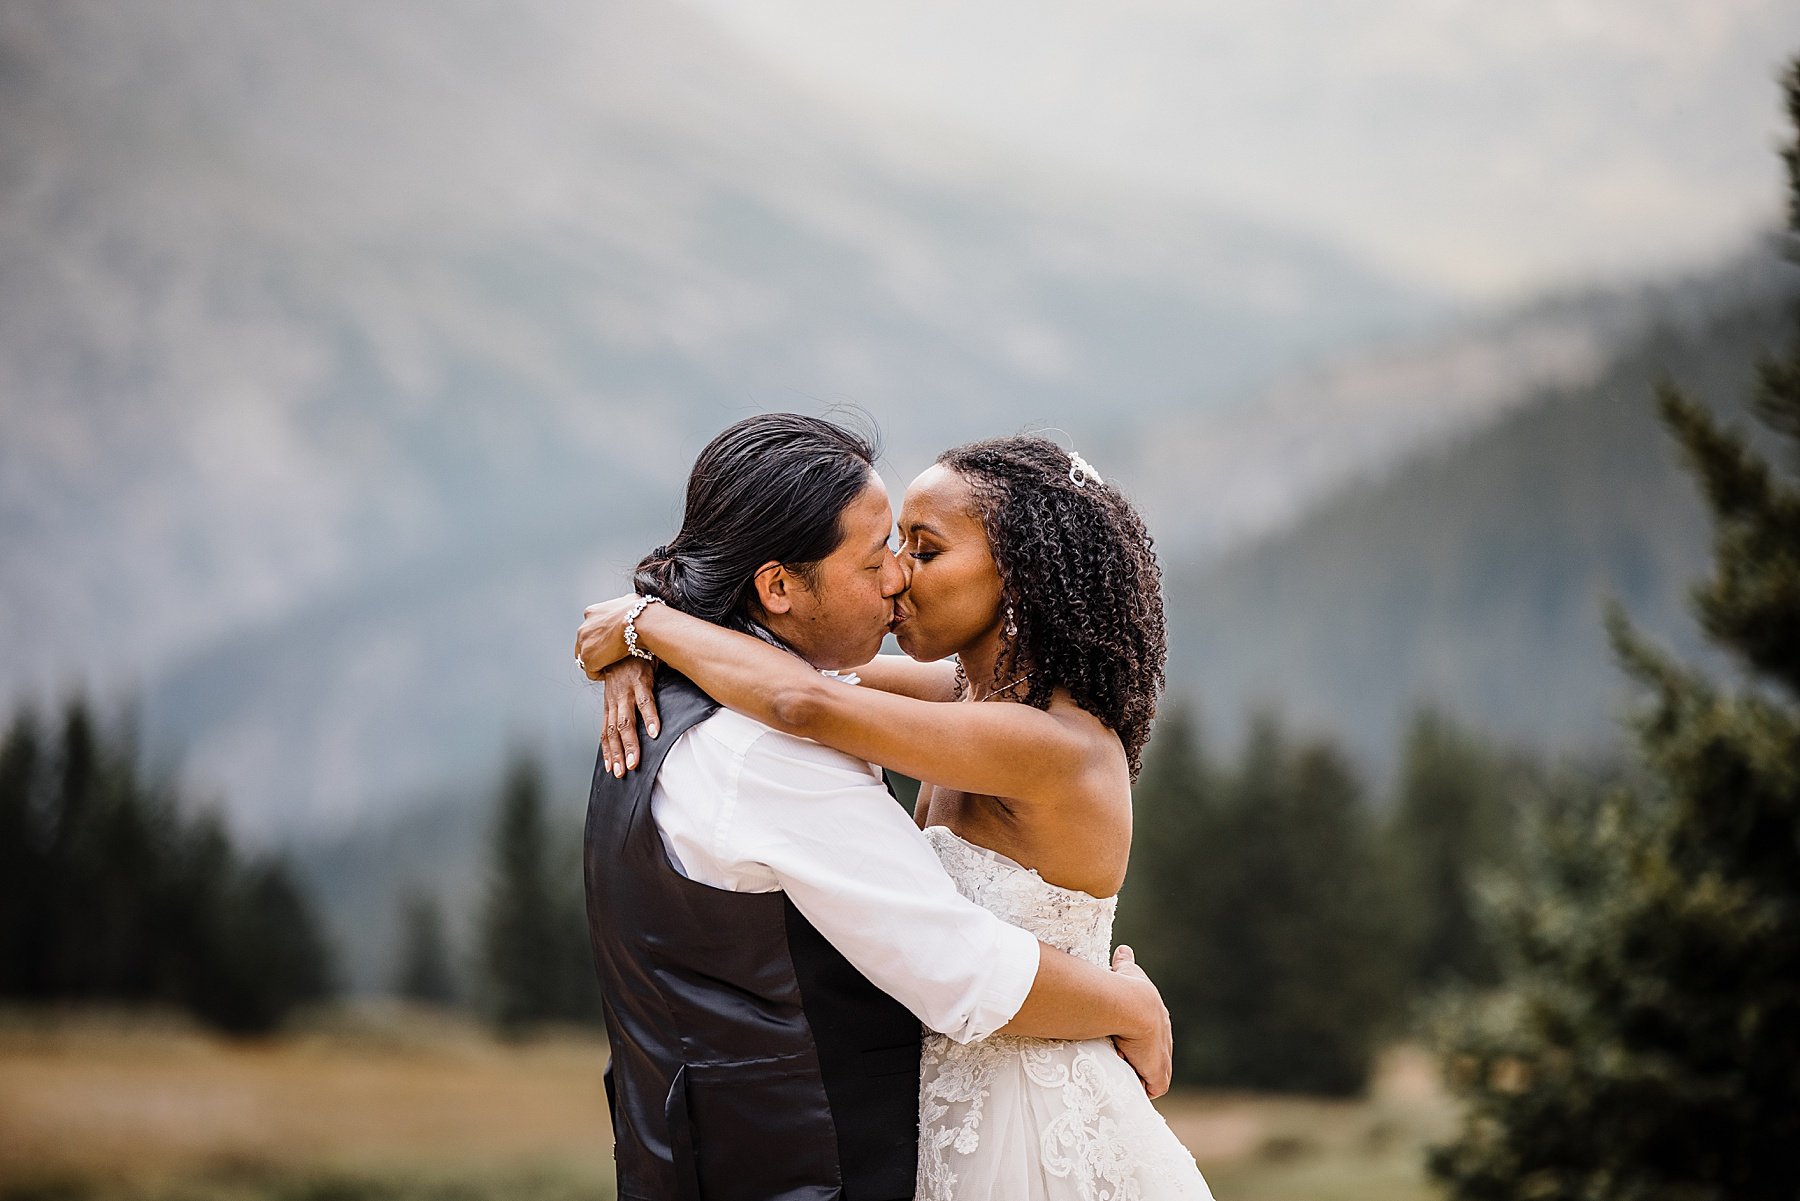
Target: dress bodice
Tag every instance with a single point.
(1066, 918)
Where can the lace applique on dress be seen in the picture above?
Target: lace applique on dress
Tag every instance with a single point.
(1035, 1119)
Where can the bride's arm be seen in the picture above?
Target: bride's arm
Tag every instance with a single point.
(1005, 750)
(908, 677)
(627, 697)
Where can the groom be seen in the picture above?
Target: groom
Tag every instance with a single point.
(770, 928)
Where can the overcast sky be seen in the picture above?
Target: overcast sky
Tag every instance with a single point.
(1491, 149)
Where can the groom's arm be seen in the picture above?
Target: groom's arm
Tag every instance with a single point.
(869, 882)
(1072, 998)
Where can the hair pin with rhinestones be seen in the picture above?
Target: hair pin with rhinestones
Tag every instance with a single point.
(1080, 471)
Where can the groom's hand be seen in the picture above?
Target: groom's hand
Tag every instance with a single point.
(1151, 1050)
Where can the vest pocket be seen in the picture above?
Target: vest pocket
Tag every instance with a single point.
(759, 1130)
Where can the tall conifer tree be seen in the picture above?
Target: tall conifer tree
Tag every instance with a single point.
(21, 858)
(1647, 1045)
(1163, 908)
(1452, 822)
(525, 974)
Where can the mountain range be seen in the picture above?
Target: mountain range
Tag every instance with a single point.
(347, 349)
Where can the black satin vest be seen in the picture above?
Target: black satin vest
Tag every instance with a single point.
(750, 1060)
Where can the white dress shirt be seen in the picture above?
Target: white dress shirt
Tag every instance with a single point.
(744, 807)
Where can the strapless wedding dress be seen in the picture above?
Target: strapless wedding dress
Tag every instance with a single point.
(1025, 1119)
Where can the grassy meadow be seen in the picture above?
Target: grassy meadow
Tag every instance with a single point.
(389, 1103)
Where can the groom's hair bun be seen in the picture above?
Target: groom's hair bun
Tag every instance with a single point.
(772, 487)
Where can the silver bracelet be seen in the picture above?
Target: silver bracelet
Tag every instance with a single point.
(644, 602)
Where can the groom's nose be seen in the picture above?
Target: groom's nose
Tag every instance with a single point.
(894, 577)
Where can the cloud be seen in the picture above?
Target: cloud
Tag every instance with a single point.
(1491, 149)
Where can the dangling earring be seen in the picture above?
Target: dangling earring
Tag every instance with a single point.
(1012, 627)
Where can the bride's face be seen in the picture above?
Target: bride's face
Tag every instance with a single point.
(953, 597)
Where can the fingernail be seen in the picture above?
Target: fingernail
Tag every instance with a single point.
(619, 771)
(631, 760)
(606, 763)
(653, 731)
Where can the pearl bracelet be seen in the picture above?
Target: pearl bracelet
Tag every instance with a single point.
(643, 602)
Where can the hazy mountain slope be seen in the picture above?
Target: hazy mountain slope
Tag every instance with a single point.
(1220, 476)
(304, 297)
(1474, 574)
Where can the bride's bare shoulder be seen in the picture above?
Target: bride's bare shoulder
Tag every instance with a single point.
(1105, 741)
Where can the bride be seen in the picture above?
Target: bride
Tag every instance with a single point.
(1040, 579)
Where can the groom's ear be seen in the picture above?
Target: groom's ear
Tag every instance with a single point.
(775, 586)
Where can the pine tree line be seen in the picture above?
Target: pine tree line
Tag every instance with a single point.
(109, 892)
(1293, 922)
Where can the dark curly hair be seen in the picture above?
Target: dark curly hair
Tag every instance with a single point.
(1079, 571)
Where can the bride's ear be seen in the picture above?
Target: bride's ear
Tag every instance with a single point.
(774, 586)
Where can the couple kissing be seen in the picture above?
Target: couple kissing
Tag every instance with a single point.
(808, 995)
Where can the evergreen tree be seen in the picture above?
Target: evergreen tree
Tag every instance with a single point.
(22, 860)
(274, 955)
(425, 973)
(1256, 902)
(74, 870)
(1167, 891)
(525, 975)
(1647, 1044)
(580, 986)
(1452, 823)
(1300, 950)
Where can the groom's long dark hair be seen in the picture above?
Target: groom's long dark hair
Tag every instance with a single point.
(771, 487)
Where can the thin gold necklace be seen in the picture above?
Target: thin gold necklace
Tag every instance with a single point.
(1007, 687)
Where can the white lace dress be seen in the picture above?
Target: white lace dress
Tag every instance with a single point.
(1024, 1119)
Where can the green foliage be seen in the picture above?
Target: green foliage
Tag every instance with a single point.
(536, 960)
(1257, 906)
(108, 893)
(1647, 1041)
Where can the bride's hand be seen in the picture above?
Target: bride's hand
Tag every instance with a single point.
(600, 642)
(1151, 1053)
(627, 697)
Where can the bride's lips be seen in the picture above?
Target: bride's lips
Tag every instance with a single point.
(896, 621)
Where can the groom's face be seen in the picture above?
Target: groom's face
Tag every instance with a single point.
(837, 620)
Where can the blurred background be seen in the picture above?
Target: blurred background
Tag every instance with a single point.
(348, 350)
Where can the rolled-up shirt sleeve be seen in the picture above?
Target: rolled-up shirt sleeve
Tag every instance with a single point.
(863, 874)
